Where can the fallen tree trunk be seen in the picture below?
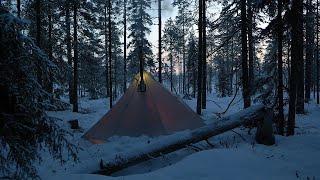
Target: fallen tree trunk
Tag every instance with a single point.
(172, 143)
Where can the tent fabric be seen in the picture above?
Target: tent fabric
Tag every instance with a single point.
(153, 112)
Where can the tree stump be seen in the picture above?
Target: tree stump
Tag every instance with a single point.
(264, 133)
(74, 124)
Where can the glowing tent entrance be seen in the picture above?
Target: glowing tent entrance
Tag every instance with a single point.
(153, 112)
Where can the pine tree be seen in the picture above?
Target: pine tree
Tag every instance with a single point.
(160, 43)
(317, 54)
(75, 56)
(280, 71)
(296, 63)
(250, 45)
(309, 49)
(91, 77)
(38, 35)
(117, 56)
(169, 37)
(244, 56)
(204, 57)
(140, 21)
(124, 46)
(192, 57)
(23, 98)
(69, 51)
(183, 22)
(227, 49)
(200, 46)
(267, 82)
(297, 58)
(110, 52)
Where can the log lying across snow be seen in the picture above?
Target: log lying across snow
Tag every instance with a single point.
(172, 143)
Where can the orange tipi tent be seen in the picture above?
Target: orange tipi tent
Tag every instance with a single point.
(153, 112)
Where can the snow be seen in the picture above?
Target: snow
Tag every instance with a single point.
(233, 156)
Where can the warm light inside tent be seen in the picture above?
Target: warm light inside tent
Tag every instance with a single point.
(153, 112)
(96, 141)
(142, 83)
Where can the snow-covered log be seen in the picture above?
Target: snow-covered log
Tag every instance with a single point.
(172, 143)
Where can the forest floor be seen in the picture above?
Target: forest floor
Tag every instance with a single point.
(235, 154)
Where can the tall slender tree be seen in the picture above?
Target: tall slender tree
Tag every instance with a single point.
(110, 54)
(69, 50)
(204, 57)
(309, 49)
(49, 85)
(317, 54)
(140, 22)
(169, 37)
(184, 22)
(125, 46)
(200, 24)
(251, 45)
(159, 37)
(192, 61)
(106, 48)
(280, 69)
(75, 56)
(38, 36)
(19, 8)
(297, 53)
(296, 59)
(244, 56)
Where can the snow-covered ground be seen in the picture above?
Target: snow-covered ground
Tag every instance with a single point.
(235, 154)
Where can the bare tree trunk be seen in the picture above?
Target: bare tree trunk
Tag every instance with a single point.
(106, 49)
(75, 58)
(317, 55)
(296, 59)
(38, 22)
(299, 61)
(115, 80)
(18, 8)
(125, 47)
(171, 64)
(160, 52)
(188, 77)
(183, 58)
(50, 83)
(194, 79)
(199, 96)
(210, 78)
(244, 56)
(204, 57)
(38, 37)
(227, 64)
(180, 75)
(309, 51)
(280, 70)
(289, 59)
(69, 50)
(232, 66)
(171, 69)
(110, 55)
(251, 47)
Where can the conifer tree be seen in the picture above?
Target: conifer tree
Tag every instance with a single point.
(140, 22)
(25, 129)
